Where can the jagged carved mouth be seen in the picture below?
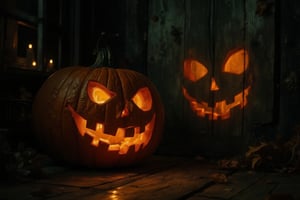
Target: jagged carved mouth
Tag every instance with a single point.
(117, 142)
(221, 108)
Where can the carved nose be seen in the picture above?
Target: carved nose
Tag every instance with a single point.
(213, 85)
(125, 112)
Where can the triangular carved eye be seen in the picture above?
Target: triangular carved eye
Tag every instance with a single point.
(237, 62)
(194, 70)
(98, 93)
(143, 99)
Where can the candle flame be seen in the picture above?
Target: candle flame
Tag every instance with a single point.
(33, 63)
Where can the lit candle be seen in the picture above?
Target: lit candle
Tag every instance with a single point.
(33, 63)
(50, 64)
(30, 55)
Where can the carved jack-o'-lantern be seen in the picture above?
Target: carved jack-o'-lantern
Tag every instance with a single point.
(99, 117)
(223, 96)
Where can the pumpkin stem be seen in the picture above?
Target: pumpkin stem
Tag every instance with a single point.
(103, 53)
(103, 58)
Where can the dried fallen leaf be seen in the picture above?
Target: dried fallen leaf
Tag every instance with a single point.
(255, 160)
(219, 177)
(228, 164)
(254, 149)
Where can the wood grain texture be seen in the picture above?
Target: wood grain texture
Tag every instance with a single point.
(207, 31)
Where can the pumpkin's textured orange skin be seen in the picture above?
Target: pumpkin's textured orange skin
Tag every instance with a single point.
(56, 131)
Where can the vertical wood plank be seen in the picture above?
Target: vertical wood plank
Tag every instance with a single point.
(228, 30)
(260, 37)
(165, 57)
(135, 35)
(197, 47)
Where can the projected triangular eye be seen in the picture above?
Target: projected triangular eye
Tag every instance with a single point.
(194, 70)
(143, 99)
(237, 62)
(98, 93)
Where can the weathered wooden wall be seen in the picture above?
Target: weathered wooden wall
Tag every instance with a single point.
(288, 60)
(122, 25)
(207, 30)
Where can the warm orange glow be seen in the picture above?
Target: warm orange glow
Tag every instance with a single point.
(194, 70)
(98, 93)
(51, 61)
(237, 63)
(213, 86)
(221, 108)
(114, 195)
(143, 99)
(117, 142)
(30, 46)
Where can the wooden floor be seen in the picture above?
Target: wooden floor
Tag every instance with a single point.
(158, 178)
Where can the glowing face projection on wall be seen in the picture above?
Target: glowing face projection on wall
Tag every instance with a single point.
(196, 73)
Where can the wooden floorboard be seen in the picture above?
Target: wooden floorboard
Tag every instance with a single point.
(237, 182)
(170, 184)
(161, 177)
(287, 185)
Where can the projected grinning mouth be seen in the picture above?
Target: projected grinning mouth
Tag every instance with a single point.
(221, 108)
(117, 142)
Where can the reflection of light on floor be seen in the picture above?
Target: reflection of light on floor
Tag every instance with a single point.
(114, 195)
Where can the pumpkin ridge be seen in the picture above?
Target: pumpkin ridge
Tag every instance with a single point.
(111, 74)
(49, 97)
(84, 80)
(64, 106)
(57, 88)
(131, 82)
(122, 76)
(96, 74)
